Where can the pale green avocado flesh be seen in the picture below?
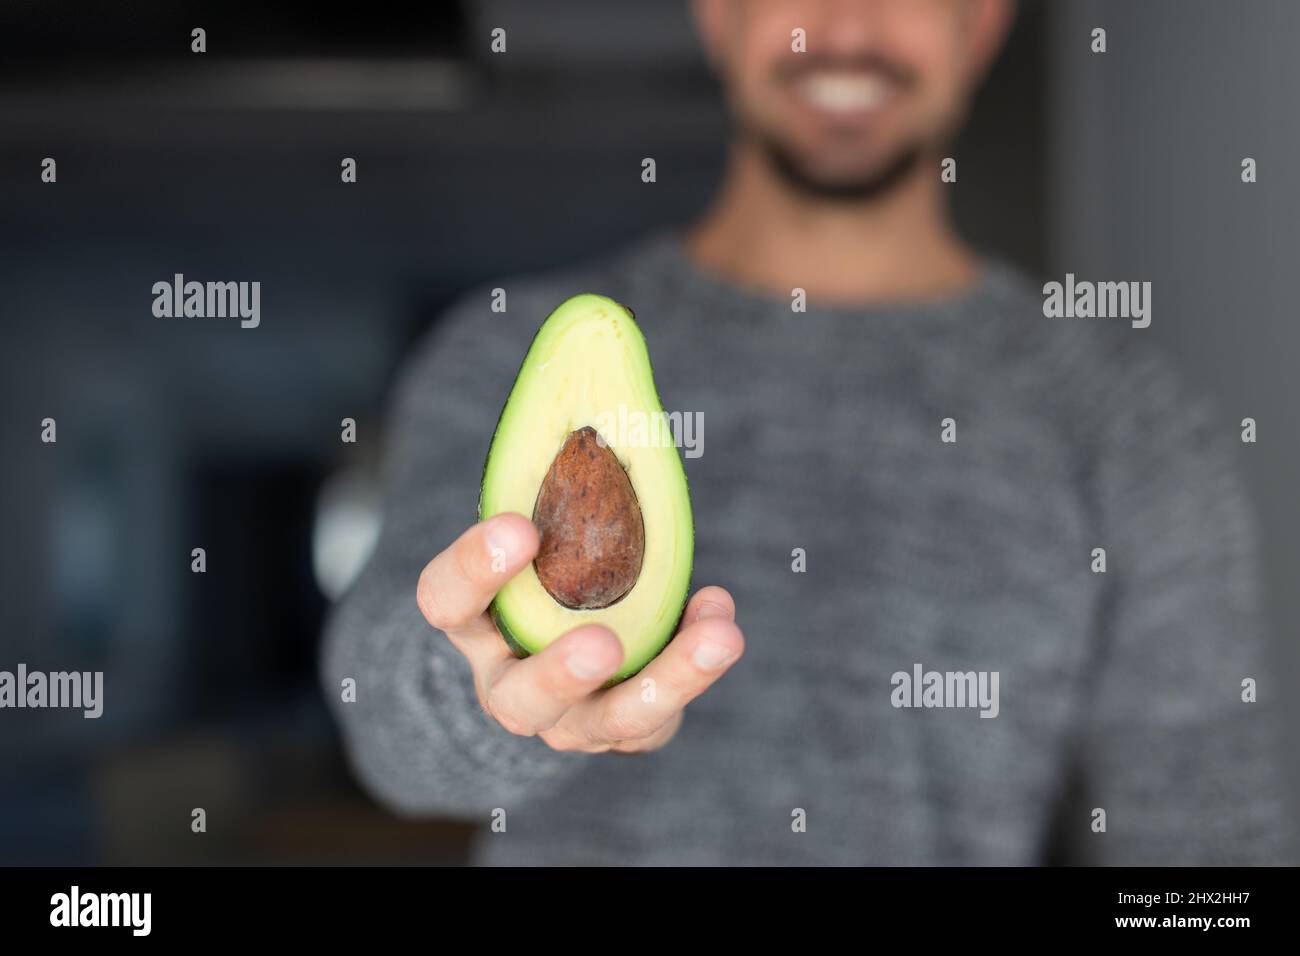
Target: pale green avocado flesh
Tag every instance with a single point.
(588, 366)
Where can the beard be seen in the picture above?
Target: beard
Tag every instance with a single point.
(799, 175)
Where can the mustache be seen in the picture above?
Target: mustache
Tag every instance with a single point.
(797, 66)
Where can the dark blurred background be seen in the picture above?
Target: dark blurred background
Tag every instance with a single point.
(225, 166)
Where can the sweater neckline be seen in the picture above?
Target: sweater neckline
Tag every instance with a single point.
(667, 250)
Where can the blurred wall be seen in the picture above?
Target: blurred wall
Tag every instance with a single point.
(1147, 141)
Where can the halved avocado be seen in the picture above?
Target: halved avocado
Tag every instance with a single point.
(608, 494)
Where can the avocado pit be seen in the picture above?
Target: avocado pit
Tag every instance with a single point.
(593, 535)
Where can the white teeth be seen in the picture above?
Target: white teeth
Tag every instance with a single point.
(844, 93)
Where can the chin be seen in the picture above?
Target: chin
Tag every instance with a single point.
(856, 177)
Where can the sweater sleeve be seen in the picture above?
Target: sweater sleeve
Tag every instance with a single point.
(1185, 766)
(415, 735)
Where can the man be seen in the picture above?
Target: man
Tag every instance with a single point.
(919, 475)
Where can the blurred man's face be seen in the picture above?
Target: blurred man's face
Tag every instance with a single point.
(882, 83)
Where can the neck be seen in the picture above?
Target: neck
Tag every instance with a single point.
(763, 233)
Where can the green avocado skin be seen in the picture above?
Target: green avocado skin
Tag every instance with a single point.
(504, 630)
(494, 611)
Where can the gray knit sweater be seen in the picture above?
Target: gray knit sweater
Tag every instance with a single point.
(1117, 691)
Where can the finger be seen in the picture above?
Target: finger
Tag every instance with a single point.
(486, 650)
(456, 586)
(699, 654)
(531, 695)
(656, 740)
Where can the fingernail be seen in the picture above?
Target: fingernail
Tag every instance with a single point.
(710, 656)
(708, 609)
(501, 544)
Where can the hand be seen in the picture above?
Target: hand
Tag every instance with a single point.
(556, 694)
